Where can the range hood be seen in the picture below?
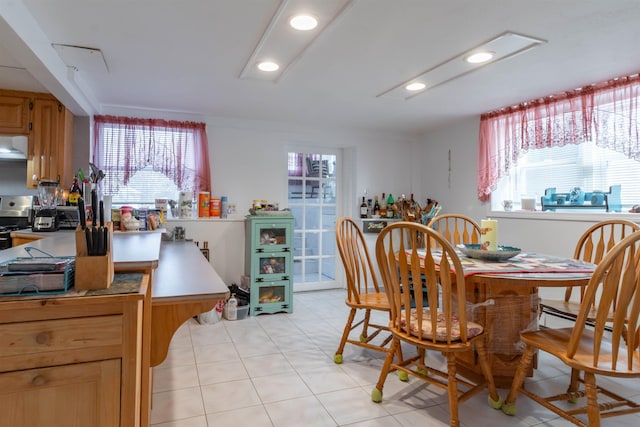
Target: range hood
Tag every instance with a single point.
(13, 147)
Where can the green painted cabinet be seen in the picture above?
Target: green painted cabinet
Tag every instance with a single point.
(269, 263)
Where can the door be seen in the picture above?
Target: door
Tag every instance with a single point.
(312, 196)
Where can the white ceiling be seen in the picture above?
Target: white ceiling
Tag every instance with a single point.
(187, 56)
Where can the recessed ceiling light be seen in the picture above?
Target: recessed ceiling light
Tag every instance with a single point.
(479, 57)
(303, 22)
(268, 66)
(413, 87)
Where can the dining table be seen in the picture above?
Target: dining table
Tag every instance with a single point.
(502, 296)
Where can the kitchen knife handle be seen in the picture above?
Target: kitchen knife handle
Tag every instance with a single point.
(105, 240)
(99, 241)
(101, 213)
(87, 233)
(82, 213)
(94, 207)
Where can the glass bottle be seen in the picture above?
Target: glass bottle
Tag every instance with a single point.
(383, 206)
(363, 208)
(74, 192)
(390, 203)
(376, 207)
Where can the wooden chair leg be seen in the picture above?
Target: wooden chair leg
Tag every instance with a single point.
(574, 383)
(453, 390)
(494, 397)
(337, 358)
(593, 410)
(365, 334)
(376, 393)
(509, 406)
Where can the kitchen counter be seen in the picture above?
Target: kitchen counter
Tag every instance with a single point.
(183, 285)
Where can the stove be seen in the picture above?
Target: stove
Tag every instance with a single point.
(16, 213)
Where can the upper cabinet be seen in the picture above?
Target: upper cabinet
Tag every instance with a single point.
(14, 114)
(49, 127)
(50, 142)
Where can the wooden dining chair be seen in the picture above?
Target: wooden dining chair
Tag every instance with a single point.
(456, 228)
(592, 246)
(363, 292)
(441, 328)
(608, 349)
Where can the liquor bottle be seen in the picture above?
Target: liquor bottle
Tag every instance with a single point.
(390, 203)
(74, 192)
(383, 206)
(363, 208)
(369, 208)
(376, 207)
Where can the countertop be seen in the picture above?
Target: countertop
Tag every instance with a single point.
(181, 272)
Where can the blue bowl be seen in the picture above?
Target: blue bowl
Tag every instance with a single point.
(502, 254)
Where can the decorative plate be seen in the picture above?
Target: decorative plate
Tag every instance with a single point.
(502, 254)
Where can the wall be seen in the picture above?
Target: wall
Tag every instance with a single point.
(248, 161)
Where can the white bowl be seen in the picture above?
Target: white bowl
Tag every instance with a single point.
(132, 225)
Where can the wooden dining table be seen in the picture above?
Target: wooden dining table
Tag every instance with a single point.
(502, 296)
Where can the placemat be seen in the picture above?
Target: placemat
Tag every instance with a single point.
(522, 263)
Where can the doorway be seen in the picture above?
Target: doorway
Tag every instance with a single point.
(312, 195)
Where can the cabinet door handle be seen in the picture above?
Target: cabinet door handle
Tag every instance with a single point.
(42, 338)
(39, 380)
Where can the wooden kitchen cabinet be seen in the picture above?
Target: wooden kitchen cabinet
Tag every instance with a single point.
(49, 128)
(14, 113)
(72, 360)
(50, 142)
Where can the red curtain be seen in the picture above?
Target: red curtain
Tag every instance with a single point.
(606, 113)
(123, 146)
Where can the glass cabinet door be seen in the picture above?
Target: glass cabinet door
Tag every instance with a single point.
(273, 293)
(273, 236)
(273, 266)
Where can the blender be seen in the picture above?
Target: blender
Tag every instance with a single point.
(46, 217)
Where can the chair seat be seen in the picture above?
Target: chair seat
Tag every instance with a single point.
(554, 341)
(473, 329)
(566, 309)
(372, 300)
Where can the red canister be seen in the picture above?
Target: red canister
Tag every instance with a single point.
(215, 207)
(126, 214)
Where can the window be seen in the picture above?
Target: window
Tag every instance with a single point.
(145, 159)
(581, 141)
(587, 166)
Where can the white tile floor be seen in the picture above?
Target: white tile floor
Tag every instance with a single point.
(278, 370)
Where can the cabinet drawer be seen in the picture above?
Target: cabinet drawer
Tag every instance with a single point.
(45, 343)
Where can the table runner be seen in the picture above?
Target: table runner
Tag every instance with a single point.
(521, 263)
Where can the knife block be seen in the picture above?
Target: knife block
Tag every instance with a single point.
(93, 272)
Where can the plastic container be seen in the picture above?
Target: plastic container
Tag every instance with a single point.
(203, 204)
(231, 308)
(223, 207)
(214, 204)
(243, 311)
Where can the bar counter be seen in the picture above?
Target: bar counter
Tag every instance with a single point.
(183, 284)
